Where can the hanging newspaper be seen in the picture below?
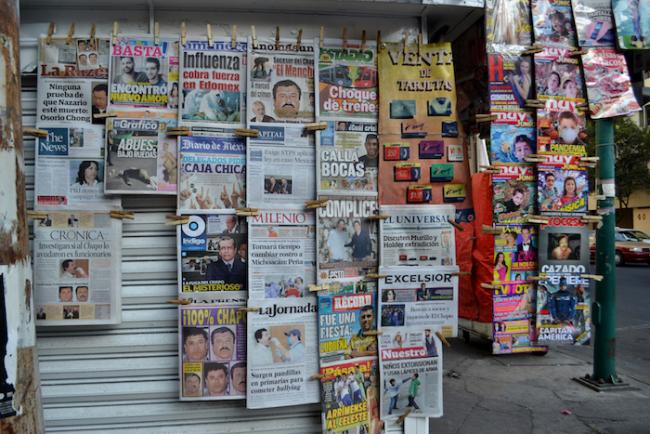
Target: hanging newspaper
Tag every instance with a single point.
(77, 269)
(562, 186)
(280, 168)
(282, 355)
(508, 22)
(212, 173)
(420, 296)
(511, 82)
(552, 23)
(561, 129)
(350, 397)
(72, 87)
(347, 238)
(417, 235)
(346, 319)
(515, 253)
(514, 194)
(144, 75)
(282, 253)
(212, 84)
(512, 137)
(212, 346)
(140, 159)
(513, 305)
(558, 75)
(213, 259)
(594, 22)
(280, 82)
(632, 23)
(411, 373)
(609, 88)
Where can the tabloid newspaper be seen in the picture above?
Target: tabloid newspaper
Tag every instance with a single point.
(350, 397)
(558, 75)
(411, 373)
(552, 23)
(609, 88)
(282, 253)
(77, 274)
(513, 319)
(144, 75)
(212, 173)
(632, 23)
(508, 22)
(562, 186)
(72, 87)
(511, 79)
(345, 315)
(561, 129)
(346, 239)
(594, 23)
(417, 235)
(512, 137)
(213, 258)
(515, 253)
(282, 353)
(212, 84)
(140, 158)
(280, 82)
(281, 163)
(212, 349)
(420, 296)
(514, 193)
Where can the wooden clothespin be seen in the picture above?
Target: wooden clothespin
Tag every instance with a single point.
(490, 169)
(583, 105)
(178, 131)
(537, 278)
(247, 132)
(118, 214)
(316, 288)
(37, 215)
(233, 37)
(591, 218)
(209, 33)
(537, 219)
(50, 32)
(156, 33)
(34, 132)
(532, 50)
(375, 276)
(183, 33)
(534, 103)
(116, 30)
(400, 420)
(316, 377)
(317, 203)
(277, 37)
(253, 37)
(490, 285)
(179, 302)
(299, 40)
(404, 44)
(363, 40)
(344, 37)
(68, 39)
(577, 52)
(247, 212)
(104, 115)
(596, 277)
(175, 220)
(444, 340)
(485, 117)
(456, 225)
(248, 309)
(377, 216)
(316, 126)
(93, 30)
(321, 37)
(531, 159)
(461, 273)
(372, 333)
(419, 43)
(379, 43)
(491, 230)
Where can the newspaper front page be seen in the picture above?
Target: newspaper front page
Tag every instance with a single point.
(282, 354)
(212, 349)
(282, 254)
(77, 278)
(417, 235)
(213, 259)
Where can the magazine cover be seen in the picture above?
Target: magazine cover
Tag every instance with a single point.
(348, 154)
(508, 22)
(513, 320)
(280, 82)
(609, 88)
(632, 23)
(552, 23)
(515, 253)
(558, 76)
(562, 186)
(594, 22)
(212, 349)
(77, 274)
(213, 258)
(212, 85)
(282, 253)
(140, 158)
(514, 194)
(511, 79)
(212, 173)
(512, 138)
(144, 75)
(561, 129)
(563, 311)
(564, 249)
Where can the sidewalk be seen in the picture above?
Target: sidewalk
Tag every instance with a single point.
(525, 393)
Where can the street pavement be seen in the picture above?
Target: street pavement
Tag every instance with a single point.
(524, 393)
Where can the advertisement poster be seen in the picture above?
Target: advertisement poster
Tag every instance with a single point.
(512, 138)
(347, 240)
(420, 296)
(280, 82)
(609, 88)
(632, 19)
(282, 353)
(411, 373)
(564, 249)
(594, 22)
(212, 173)
(515, 253)
(558, 76)
(282, 253)
(213, 258)
(212, 85)
(563, 312)
(144, 75)
(514, 194)
(348, 154)
(350, 396)
(513, 318)
(77, 277)
(511, 79)
(552, 23)
(417, 87)
(417, 235)
(562, 186)
(508, 22)
(561, 129)
(212, 347)
(280, 170)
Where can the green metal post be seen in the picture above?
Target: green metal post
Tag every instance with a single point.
(604, 309)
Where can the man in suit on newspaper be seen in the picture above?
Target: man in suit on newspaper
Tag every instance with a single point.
(229, 268)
